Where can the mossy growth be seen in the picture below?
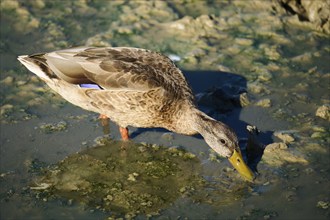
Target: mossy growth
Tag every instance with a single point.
(122, 179)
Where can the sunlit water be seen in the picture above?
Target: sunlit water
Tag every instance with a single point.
(286, 64)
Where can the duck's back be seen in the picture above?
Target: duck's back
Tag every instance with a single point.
(129, 80)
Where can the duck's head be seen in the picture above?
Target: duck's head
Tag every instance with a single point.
(223, 140)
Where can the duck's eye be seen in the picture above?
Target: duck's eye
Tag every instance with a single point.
(222, 141)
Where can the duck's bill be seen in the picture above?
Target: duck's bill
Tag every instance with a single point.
(238, 163)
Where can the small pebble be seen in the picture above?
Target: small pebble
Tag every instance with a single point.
(274, 146)
(318, 135)
(323, 112)
(21, 82)
(168, 136)
(322, 204)
(8, 80)
(6, 108)
(285, 137)
(265, 103)
(142, 149)
(309, 170)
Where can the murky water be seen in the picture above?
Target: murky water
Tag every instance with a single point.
(233, 47)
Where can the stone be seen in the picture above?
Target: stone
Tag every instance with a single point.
(323, 112)
(275, 146)
(257, 88)
(322, 204)
(314, 12)
(284, 136)
(318, 135)
(8, 80)
(244, 99)
(6, 108)
(168, 136)
(272, 53)
(244, 41)
(265, 103)
(277, 154)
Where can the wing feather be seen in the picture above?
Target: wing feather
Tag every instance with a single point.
(126, 69)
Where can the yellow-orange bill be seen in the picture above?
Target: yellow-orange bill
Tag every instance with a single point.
(238, 163)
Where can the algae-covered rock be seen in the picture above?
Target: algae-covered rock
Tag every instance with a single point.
(285, 136)
(265, 103)
(315, 12)
(52, 127)
(323, 204)
(277, 154)
(21, 18)
(323, 112)
(118, 177)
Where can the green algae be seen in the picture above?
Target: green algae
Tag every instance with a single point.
(120, 178)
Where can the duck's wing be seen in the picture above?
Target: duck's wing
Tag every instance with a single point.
(118, 68)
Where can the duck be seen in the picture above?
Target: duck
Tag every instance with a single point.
(134, 87)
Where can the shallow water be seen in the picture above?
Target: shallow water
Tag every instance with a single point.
(284, 67)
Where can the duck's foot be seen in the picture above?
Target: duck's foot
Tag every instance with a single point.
(124, 133)
(104, 120)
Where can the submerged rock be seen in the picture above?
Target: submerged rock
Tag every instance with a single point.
(265, 103)
(276, 146)
(278, 154)
(322, 204)
(8, 80)
(284, 136)
(315, 12)
(257, 88)
(323, 112)
(53, 127)
(119, 178)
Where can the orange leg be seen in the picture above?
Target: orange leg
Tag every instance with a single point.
(104, 120)
(103, 116)
(124, 133)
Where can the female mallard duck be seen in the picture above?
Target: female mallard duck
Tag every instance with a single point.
(135, 87)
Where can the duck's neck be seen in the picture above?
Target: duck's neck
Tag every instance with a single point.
(202, 123)
(212, 130)
(194, 121)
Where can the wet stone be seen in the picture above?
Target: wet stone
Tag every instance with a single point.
(323, 112)
(257, 88)
(53, 127)
(244, 41)
(319, 129)
(277, 154)
(322, 204)
(265, 103)
(168, 136)
(244, 99)
(284, 136)
(8, 80)
(6, 109)
(272, 53)
(275, 146)
(319, 135)
(21, 82)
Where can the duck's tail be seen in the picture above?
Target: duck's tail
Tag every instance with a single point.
(37, 65)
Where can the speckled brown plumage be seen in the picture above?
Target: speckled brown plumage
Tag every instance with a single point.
(131, 79)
